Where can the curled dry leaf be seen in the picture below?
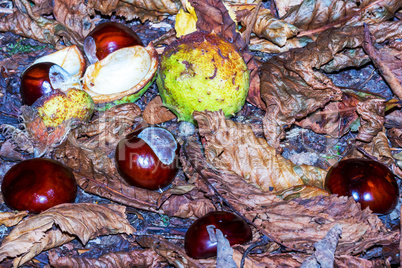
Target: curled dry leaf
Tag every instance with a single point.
(12, 218)
(299, 223)
(335, 118)
(156, 113)
(378, 148)
(387, 60)
(85, 221)
(292, 87)
(314, 17)
(234, 147)
(133, 258)
(267, 26)
(372, 118)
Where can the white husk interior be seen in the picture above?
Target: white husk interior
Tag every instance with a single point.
(70, 58)
(119, 71)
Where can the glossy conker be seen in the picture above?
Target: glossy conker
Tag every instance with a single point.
(111, 36)
(38, 184)
(369, 182)
(148, 158)
(197, 242)
(35, 82)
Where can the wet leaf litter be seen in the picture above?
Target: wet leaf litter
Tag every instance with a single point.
(267, 164)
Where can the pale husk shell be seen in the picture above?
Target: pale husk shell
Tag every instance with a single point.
(114, 73)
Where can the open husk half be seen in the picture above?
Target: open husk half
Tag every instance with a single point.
(69, 58)
(123, 76)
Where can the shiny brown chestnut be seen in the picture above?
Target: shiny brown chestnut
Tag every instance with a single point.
(38, 184)
(148, 158)
(369, 182)
(197, 242)
(35, 82)
(109, 37)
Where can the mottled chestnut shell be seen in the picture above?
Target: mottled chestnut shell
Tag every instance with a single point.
(369, 182)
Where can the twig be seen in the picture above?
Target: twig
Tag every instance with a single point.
(264, 241)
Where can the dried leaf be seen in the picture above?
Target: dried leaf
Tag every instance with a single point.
(174, 254)
(234, 147)
(224, 255)
(156, 113)
(12, 218)
(267, 26)
(141, 9)
(323, 14)
(269, 260)
(387, 60)
(75, 15)
(324, 254)
(334, 119)
(395, 136)
(378, 148)
(304, 191)
(85, 221)
(299, 223)
(314, 17)
(372, 112)
(133, 258)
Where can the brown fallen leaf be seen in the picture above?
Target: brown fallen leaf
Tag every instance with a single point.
(12, 218)
(395, 136)
(85, 221)
(303, 191)
(334, 119)
(152, 10)
(377, 148)
(234, 147)
(174, 254)
(156, 113)
(133, 258)
(296, 224)
(372, 118)
(387, 60)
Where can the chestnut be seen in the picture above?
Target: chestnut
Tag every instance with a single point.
(197, 242)
(108, 37)
(369, 182)
(38, 184)
(35, 82)
(148, 158)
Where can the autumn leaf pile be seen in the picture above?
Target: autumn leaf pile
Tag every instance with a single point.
(227, 164)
